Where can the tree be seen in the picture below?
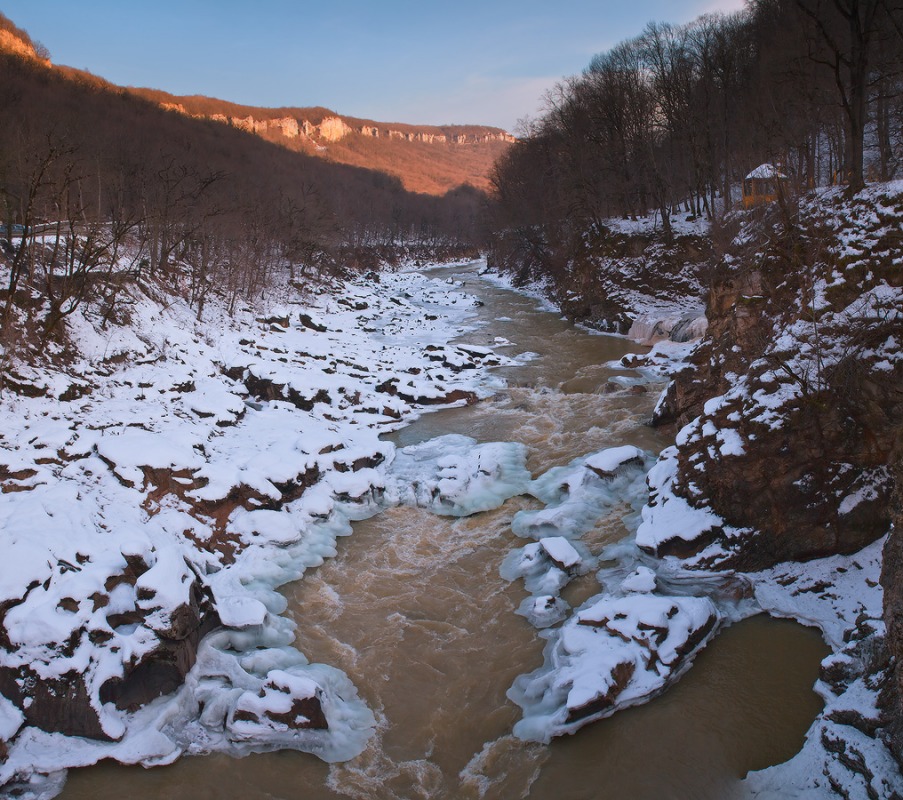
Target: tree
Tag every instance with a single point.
(843, 36)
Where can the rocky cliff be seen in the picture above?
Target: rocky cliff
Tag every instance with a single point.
(792, 408)
(623, 276)
(796, 392)
(310, 124)
(427, 158)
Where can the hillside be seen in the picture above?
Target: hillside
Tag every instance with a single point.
(80, 154)
(427, 158)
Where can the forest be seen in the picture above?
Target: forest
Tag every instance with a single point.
(672, 121)
(101, 187)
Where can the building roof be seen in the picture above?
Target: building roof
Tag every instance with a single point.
(765, 172)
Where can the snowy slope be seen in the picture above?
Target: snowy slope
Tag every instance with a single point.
(163, 480)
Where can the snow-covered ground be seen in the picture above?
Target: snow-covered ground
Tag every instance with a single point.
(174, 473)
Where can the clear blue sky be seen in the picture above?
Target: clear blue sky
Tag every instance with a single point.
(456, 61)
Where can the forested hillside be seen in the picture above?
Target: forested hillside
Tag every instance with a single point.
(98, 187)
(671, 122)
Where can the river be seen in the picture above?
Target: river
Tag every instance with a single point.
(414, 611)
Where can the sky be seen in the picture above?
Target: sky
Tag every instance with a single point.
(486, 62)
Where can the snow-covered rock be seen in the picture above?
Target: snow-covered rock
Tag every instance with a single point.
(577, 495)
(194, 468)
(614, 652)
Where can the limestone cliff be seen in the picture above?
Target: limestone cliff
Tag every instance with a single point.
(427, 158)
(300, 124)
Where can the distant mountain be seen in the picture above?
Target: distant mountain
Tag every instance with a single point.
(427, 158)
(68, 137)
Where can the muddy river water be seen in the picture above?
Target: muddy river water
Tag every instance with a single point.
(414, 611)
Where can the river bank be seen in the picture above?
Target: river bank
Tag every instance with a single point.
(162, 478)
(787, 421)
(412, 608)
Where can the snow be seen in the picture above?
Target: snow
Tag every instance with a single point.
(800, 591)
(578, 494)
(240, 612)
(11, 719)
(642, 579)
(542, 574)
(608, 462)
(668, 516)
(543, 610)
(765, 172)
(561, 551)
(614, 652)
(255, 714)
(256, 445)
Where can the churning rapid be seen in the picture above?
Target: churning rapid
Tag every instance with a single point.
(414, 610)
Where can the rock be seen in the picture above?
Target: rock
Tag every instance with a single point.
(543, 611)
(619, 678)
(267, 389)
(286, 702)
(308, 322)
(792, 446)
(560, 552)
(57, 705)
(614, 461)
(69, 703)
(616, 652)
(333, 129)
(281, 321)
(163, 670)
(391, 387)
(364, 462)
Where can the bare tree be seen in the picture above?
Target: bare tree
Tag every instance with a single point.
(843, 36)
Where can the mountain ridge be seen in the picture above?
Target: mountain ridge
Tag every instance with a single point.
(428, 159)
(453, 155)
